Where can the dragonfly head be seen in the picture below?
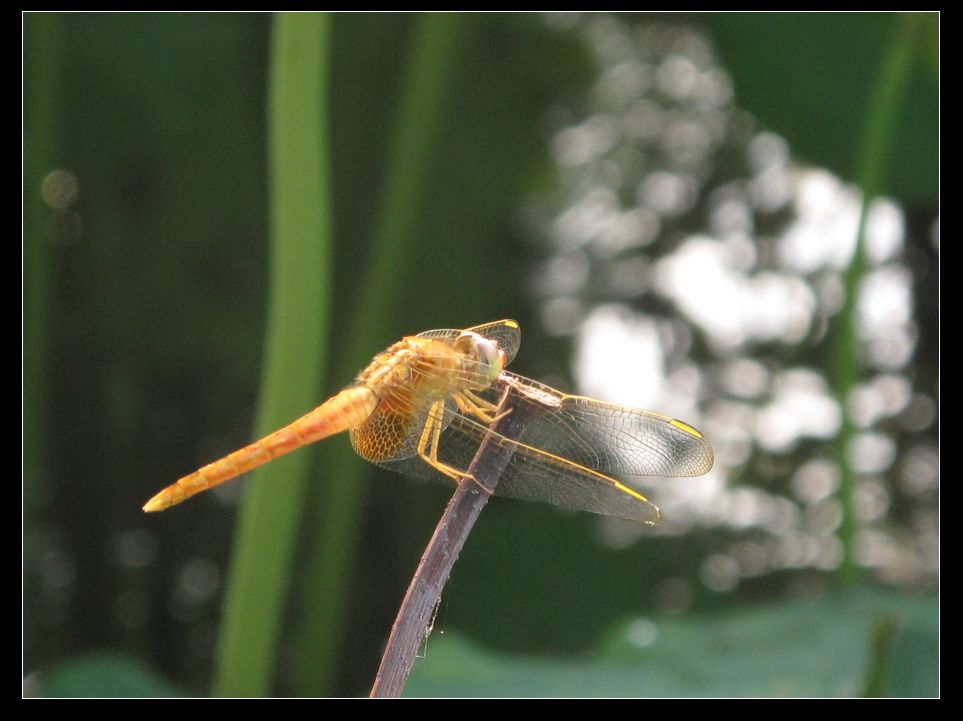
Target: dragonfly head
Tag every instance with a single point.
(485, 358)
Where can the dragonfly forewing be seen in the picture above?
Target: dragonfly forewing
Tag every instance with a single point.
(611, 438)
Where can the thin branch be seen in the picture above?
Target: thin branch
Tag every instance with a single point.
(443, 549)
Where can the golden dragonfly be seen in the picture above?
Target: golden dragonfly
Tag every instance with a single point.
(425, 404)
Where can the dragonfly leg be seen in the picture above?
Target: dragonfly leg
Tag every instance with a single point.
(482, 409)
(479, 401)
(432, 434)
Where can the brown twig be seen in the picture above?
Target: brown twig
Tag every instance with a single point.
(443, 549)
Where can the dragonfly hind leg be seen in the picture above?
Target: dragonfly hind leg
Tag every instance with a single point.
(431, 434)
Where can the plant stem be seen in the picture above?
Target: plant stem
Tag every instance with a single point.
(43, 60)
(871, 166)
(296, 337)
(375, 311)
(443, 550)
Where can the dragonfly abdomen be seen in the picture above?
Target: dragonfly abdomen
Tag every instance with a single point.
(348, 409)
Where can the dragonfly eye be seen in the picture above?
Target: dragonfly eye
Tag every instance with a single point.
(488, 357)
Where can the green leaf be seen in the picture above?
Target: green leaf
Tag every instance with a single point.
(104, 675)
(810, 77)
(915, 666)
(815, 648)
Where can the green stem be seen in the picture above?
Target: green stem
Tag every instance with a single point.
(882, 644)
(375, 322)
(871, 167)
(295, 345)
(42, 72)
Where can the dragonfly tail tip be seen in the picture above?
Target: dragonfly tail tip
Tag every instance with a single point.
(157, 503)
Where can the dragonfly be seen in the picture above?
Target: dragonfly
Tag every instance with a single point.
(425, 405)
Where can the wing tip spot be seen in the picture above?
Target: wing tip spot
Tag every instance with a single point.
(685, 428)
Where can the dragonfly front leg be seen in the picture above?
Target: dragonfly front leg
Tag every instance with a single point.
(430, 440)
(475, 405)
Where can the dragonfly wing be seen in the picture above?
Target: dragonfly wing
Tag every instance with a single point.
(394, 428)
(609, 438)
(386, 435)
(531, 478)
(401, 455)
(534, 475)
(531, 475)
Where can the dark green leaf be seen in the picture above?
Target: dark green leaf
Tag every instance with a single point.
(815, 648)
(104, 675)
(809, 77)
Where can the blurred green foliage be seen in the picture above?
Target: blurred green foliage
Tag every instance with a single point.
(145, 317)
(825, 648)
(816, 648)
(106, 675)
